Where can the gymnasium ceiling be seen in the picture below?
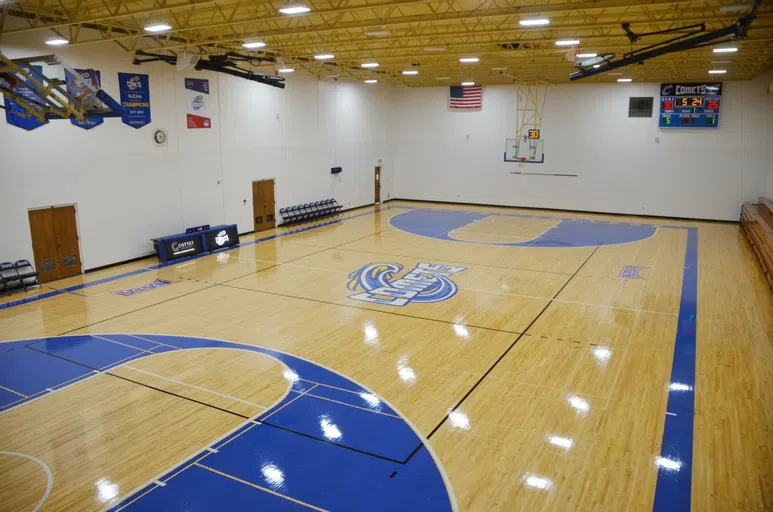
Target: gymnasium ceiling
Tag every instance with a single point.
(428, 35)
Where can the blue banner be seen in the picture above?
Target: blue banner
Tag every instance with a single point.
(14, 114)
(82, 93)
(135, 98)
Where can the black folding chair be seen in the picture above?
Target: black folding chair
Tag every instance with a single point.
(27, 274)
(9, 277)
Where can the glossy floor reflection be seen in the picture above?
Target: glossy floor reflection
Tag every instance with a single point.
(550, 362)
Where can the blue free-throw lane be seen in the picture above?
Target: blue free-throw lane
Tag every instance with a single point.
(438, 224)
(330, 443)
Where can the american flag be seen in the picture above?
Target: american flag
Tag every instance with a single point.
(465, 98)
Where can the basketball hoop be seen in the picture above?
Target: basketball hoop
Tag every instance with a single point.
(571, 55)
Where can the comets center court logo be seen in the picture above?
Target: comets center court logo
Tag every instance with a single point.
(427, 282)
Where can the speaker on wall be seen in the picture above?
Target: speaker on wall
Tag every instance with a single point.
(336, 170)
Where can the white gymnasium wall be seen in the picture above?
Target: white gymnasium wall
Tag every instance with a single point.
(624, 165)
(127, 189)
(768, 78)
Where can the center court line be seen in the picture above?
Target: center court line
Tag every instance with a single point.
(226, 475)
(345, 305)
(605, 306)
(502, 356)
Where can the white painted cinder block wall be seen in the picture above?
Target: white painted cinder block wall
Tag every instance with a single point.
(128, 189)
(623, 165)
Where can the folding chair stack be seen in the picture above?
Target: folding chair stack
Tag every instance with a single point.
(310, 211)
(17, 275)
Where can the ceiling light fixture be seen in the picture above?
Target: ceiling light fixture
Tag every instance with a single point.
(57, 41)
(586, 55)
(568, 42)
(435, 49)
(498, 69)
(624, 79)
(469, 60)
(371, 81)
(717, 71)
(442, 78)
(468, 84)
(534, 22)
(254, 44)
(410, 72)
(324, 56)
(157, 27)
(369, 65)
(293, 8)
(596, 66)
(377, 31)
(286, 70)
(726, 50)
(736, 8)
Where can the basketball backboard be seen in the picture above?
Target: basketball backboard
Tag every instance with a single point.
(524, 150)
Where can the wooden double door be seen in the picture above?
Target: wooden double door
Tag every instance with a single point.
(263, 205)
(55, 242)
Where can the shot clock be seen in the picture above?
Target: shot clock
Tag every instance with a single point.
(690, 105)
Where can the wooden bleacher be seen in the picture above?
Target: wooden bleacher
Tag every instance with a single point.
(757, 221)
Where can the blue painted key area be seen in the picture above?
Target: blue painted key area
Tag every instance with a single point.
(329, 444)
(438, 224)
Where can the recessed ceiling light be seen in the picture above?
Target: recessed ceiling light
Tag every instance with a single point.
(157, 27)
(57, 41)
(596, 66)
(624, 79)
(736, 8)
(568, 42)
(377, 31)
(292, 8)
(371, 81)
(717, 71)
(586, 55)
(467, 84)
(254, 44)
(442, 78)
(410, 72)
(324, 56)
(435, 49)
(725, 50)
(468, 60)
(534, 22)
(369, 65)
(286, 70)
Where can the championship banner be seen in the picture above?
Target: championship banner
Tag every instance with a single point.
(84, 94)
(135, 98)
(197, 101)
(14, 114)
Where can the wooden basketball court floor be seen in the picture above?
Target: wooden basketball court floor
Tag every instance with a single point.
(411, 356)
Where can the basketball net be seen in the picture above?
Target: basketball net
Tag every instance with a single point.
(571, 55)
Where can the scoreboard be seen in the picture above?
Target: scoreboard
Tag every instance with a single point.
(690, 105)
